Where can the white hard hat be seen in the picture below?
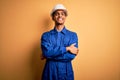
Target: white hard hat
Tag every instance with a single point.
(58, 7)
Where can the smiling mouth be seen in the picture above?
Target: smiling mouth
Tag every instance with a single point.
(60, 19)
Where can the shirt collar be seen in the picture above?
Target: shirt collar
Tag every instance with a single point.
(63, 30)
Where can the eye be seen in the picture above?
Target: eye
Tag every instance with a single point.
(63, 13)
(56, 14)
(59, 13)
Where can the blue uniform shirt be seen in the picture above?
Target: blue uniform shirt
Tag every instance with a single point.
(58, 64)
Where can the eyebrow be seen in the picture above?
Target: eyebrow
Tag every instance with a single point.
(56, 12)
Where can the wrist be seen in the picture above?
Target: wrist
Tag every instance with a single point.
(68, 48)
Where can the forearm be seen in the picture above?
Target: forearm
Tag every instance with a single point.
(63, 58)
(50, 52)
(67, 56)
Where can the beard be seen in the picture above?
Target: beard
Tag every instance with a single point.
(58, 23)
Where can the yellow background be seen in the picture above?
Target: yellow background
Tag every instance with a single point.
(97, 23)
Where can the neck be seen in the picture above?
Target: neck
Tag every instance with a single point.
(59, 27)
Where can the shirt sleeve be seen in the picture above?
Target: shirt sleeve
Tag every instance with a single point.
(67, 56)
(47, 49)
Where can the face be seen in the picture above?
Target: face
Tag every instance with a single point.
(59, 17)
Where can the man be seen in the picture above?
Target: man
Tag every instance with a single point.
(59, 47)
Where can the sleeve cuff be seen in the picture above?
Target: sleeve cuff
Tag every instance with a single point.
(64, 50)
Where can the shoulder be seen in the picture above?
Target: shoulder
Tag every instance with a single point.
(47, 33)
(71, 32)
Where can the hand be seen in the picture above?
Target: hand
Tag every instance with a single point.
(73, 49)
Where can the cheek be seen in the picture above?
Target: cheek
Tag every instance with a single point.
(64, 18)
(54, 18)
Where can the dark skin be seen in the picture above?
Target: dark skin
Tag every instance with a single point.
(59, 18)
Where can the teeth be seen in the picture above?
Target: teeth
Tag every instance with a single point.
(60, 18)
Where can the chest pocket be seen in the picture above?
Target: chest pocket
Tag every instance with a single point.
(53, 40)
(67, 40)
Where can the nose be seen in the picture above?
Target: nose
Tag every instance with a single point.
(60, 15)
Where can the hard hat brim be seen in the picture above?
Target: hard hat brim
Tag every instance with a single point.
(59, 10)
